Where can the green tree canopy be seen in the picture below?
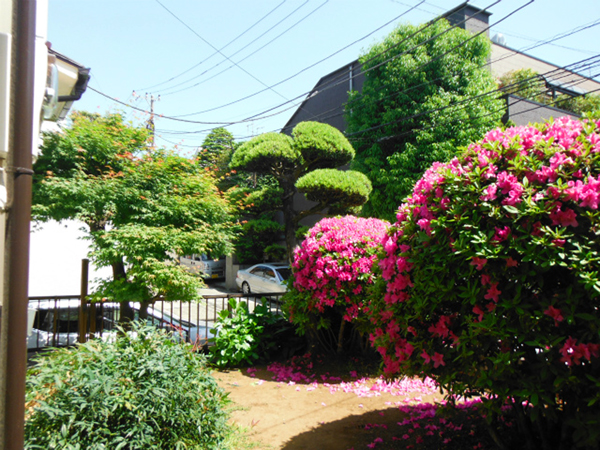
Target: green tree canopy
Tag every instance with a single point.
(423, 97)
(529, 84)
(304, 163)
(141, 208)
(216, 151)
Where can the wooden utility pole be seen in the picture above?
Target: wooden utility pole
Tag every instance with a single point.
(150, 124)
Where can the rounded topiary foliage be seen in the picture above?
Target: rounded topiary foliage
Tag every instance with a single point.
(490, 277)
(140, 391)
(331, 269)
(323, 144)
(258, 153)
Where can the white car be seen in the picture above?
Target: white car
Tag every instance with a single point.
(204, 266)
(56, 323)
(263, 278)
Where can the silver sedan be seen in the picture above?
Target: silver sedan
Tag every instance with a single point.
(263, 278)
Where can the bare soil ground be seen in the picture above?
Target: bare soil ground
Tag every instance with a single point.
(293, 416)
(320, 403)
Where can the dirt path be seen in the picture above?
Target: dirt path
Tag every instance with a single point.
(324, 415)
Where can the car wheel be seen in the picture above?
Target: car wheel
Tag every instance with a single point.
(246, 288)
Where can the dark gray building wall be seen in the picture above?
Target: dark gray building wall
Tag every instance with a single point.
(522, 111)
(470, 18)
(326, 101)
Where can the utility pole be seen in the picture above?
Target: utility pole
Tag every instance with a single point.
(150, 124)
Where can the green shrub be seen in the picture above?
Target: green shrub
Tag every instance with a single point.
(255, 237)
(490, 280)
(275, 252)
(244, 337)
(142, 391)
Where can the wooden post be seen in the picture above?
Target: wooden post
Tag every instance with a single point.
(83, 309)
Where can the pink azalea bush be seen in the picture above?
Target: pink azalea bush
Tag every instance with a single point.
(332, 267)
(490, 279)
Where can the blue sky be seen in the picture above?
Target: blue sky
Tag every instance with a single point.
(139, 45)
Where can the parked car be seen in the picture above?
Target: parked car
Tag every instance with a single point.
(56, 323)
(263, 278)
(204, 266)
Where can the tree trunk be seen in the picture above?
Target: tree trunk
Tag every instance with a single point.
(144, 310)
(289, 216)
(126, 315)
(340, 342)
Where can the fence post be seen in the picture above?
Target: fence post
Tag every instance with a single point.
(83, 312)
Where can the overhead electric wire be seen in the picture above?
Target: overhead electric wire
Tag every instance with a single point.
(533, 108)
(523, 83)
(243, 48)
(243, 59)
(566, 70)
(222, 48)
(225, 123)
(464, 101)
(343, 78)
(569, 69)
(306, 68)
(178, 119)
(215, 48)
(566, 73)
(338, 78)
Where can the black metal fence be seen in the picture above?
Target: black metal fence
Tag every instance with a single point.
(60, 321)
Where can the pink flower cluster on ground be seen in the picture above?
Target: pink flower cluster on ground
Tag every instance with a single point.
(334, 263)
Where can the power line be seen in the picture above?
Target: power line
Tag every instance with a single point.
(222, 48)
(465, 101)
(246, 46)
(305, 69)
(215, 48)
(342, 77)
(565, 72)
(231, 122)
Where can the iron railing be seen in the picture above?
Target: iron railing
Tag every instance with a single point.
(61, 321)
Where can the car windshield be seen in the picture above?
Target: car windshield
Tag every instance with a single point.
(285, 273)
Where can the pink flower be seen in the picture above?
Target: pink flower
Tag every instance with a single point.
(501, 234)
(555, 313)
(477, 310)
(489, 193)
(441, 328)
(426, 357)
(485, 279)
(564, 217)
(438, 360)
(478, 262)
(511, 262)
(493, 293)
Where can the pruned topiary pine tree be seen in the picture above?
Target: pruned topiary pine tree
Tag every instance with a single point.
(306, 163)
(427, 91)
